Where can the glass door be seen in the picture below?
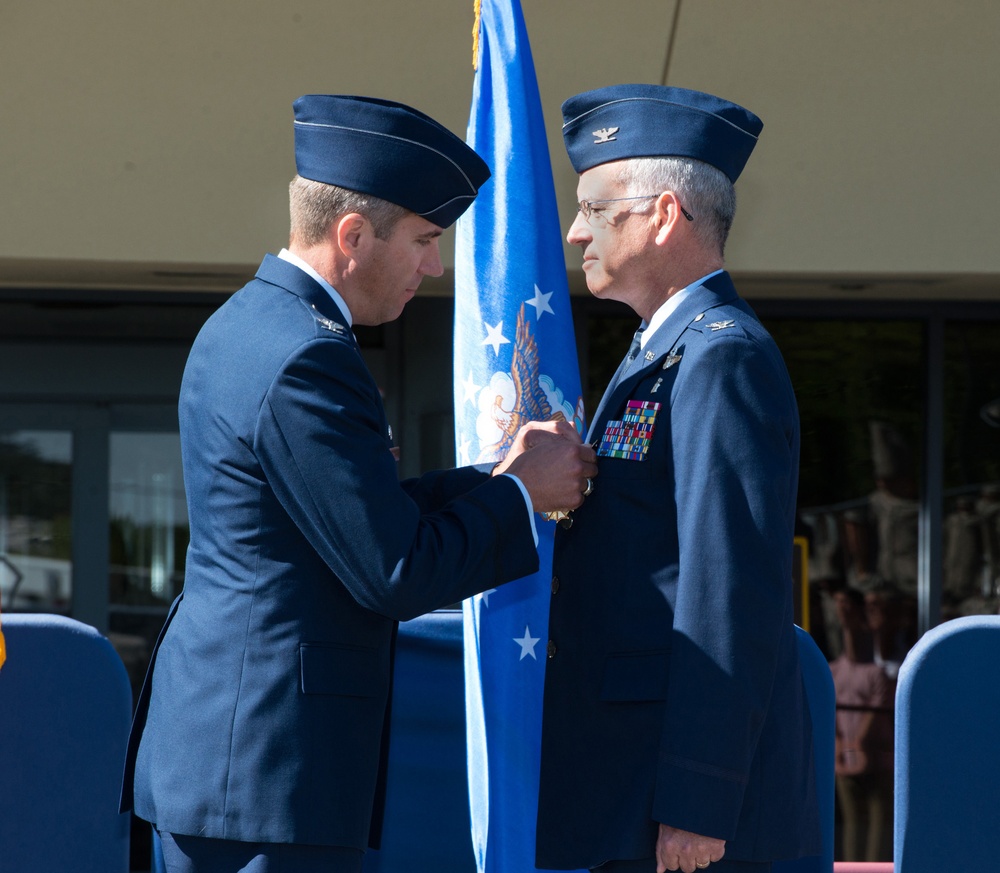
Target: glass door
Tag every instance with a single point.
(36, 554)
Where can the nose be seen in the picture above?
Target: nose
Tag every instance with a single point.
(432, 265)
(579, 231)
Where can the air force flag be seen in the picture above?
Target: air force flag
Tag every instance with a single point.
(515, 361)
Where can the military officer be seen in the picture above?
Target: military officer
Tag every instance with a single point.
(259, 734)
(676, 733)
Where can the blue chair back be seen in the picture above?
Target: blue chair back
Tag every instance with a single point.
(947, 749)
(65, 708)
(822, 701)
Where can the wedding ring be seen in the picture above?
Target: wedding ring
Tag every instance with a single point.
(589, 489)
(701, 866)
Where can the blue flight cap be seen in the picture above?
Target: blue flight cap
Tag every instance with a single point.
(641, 121)
(387, 150)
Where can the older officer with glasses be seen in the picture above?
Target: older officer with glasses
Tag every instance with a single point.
(676, 733)
(259, 735)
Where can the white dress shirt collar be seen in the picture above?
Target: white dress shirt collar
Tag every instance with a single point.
(286, 255)
(672, 302)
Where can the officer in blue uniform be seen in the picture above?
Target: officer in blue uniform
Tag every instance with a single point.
(260, 731)
(676, 733)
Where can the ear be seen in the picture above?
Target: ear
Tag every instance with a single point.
(667, 216)
(353, 234)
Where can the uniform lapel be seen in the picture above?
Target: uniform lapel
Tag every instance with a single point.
(287, 276)
(714, 292)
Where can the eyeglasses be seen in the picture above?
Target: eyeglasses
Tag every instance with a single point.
(588, 208)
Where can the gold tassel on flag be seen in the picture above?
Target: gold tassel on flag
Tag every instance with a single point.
(477, 7)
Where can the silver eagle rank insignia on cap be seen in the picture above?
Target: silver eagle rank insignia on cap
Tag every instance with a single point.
(605, 134)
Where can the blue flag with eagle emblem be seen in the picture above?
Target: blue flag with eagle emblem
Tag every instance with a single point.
(515, 361)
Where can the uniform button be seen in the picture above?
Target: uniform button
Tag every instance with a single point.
(550, 649)
(555, 584)
(700, 316)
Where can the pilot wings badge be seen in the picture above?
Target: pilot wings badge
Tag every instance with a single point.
(522, 395)
(605, 134)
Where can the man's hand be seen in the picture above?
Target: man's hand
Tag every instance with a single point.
(682, 850)
(552, 462)
(533, 433)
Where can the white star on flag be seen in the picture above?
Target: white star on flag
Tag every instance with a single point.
(541, 303)
(486, 596)
(471, 389)
(494, 336)
(527, 644)
(463, 452)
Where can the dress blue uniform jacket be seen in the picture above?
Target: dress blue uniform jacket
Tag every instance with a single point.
(673, 690)
(262, 714)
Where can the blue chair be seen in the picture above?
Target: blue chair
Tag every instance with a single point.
(822, 701)
(948, 751)
(65, 708)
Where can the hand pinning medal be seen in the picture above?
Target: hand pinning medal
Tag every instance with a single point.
(565, 516)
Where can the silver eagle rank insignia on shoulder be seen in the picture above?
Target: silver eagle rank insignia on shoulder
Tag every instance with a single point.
(327, 323)
(722, 325)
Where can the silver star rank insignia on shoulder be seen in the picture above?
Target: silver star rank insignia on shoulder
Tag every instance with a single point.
(722, 325)
(605, 134)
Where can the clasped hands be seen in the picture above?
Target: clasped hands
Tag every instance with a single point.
(553, 463)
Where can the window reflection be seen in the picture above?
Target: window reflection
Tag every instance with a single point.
(971, 532)
(35, 532)
(148, 540)
(149, 527)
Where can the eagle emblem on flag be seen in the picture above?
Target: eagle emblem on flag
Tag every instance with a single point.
(524, 394)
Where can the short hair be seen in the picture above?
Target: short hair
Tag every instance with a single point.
(703, 190)
(315, 206)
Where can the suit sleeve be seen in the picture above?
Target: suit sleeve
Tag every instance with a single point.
(735, 444)
(321, 441)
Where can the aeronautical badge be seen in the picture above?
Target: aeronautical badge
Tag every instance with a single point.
(630, 437)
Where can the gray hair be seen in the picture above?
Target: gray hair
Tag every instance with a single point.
(703, 190)
(315, 206)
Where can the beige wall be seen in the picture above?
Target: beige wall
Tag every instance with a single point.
(149, 143)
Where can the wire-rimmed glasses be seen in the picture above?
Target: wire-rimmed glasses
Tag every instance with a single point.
(590, 208)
